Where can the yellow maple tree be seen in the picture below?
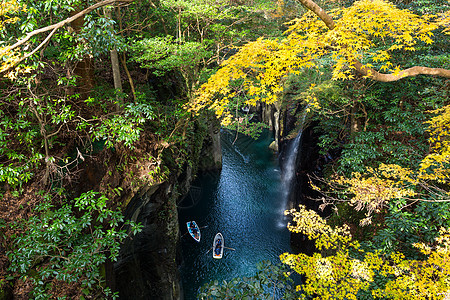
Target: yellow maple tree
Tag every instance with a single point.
(7, 9)
(357, 38)
(373, 190)
(341, 269)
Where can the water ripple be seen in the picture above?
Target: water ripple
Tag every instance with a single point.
(243, 203)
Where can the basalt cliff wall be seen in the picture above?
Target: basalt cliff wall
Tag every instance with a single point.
(148, 263)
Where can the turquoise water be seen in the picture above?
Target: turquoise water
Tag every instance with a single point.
(244, 202)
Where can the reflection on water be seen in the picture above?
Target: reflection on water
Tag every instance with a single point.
(242, 201)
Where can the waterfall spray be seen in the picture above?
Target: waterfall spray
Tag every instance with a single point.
(289, 169)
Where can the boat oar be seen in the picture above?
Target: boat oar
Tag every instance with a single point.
(229, 248)
(208, 250)
(203, 227)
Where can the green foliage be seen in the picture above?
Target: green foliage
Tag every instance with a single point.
(96, 36)
(19, 164)
(68, 244)
(270, 282)
(165, 54)
(247, 127)
(223, 22)
(361, 151)
(198, 34)
(390, 121)
(98, 30)
(424, 6)
(243, 120)
(403, 228)
(124, 128)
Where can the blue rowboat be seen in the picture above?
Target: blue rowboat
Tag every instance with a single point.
(194, 230)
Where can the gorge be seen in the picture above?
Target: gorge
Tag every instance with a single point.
(244, 199)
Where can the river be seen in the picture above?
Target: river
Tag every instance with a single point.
(244, 201)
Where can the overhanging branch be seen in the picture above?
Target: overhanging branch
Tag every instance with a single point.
(370, 72)
(410, 72)
(55, 27)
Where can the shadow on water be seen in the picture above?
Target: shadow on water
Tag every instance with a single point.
(243, 202)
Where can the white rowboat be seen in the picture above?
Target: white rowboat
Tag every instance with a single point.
(218, 246)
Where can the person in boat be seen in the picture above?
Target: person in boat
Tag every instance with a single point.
(218, 246)
(194, 229)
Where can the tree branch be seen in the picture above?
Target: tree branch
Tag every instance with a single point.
(320, 12)
(370, 72)
(410, 72)
(56, 26)
(32, 52)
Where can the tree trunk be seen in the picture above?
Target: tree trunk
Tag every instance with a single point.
(130, 80)
(115, 67)
(354, 127)
(84, 69)
(117, 80)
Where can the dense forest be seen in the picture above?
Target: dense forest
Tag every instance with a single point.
(100, 98)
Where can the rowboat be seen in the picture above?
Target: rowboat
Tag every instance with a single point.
(194, 231)
(218, 246)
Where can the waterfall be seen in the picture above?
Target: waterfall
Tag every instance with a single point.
(289, 169)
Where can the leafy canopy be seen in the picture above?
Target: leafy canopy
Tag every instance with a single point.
(69, 244)
(345, 270)
(371, 191)
(271, 281)
(364, 37)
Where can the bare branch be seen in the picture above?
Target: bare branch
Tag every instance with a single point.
(34, 51)
(320, 12)
(56, 26)
(411, 72)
